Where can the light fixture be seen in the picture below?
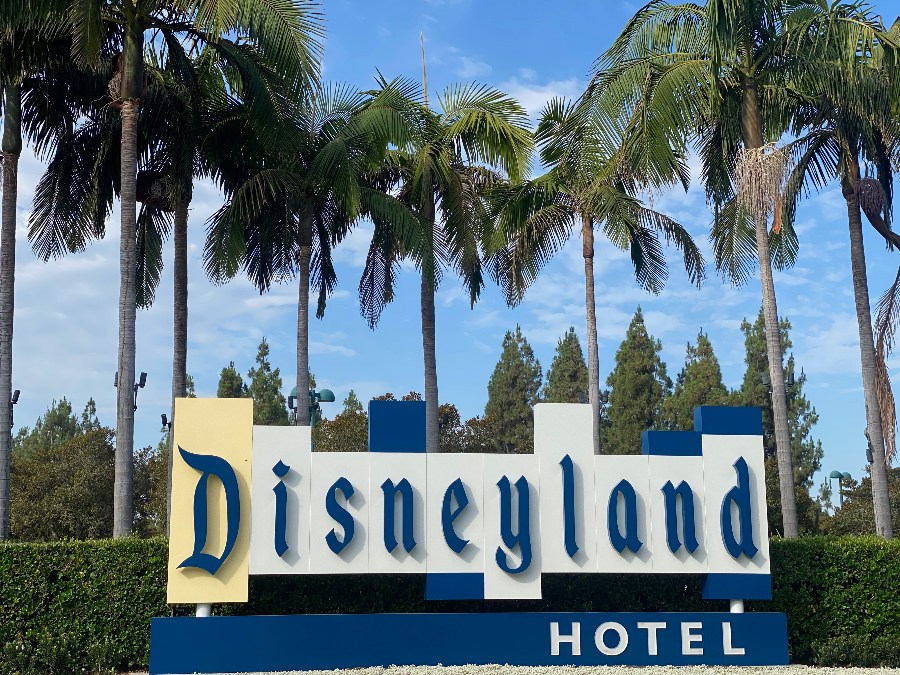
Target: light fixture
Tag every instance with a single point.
(140, 384)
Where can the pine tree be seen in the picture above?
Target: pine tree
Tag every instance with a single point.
(638, 384)
(802, 416)
(56, 426)
(567, 379)
(231, 384)
(269, 404)
(698, 383)
(512, 392)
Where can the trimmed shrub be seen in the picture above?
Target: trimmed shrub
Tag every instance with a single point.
(69, 606)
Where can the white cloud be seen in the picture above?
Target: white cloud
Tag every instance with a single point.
(534, 96)
(469, 68)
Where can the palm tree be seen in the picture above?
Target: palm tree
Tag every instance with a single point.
(588, 186)
(286, 208)
(442, 171)
(11, 148)
(717, 74)
(37, 79)
(286, 34)
(850, 117)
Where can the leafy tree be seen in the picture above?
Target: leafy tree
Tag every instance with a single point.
(567, 379)
(231, 384)
(55, 427)
(512, 392)
(445, 162)
(190, 391)
(638, 385)
(806, 452)
(347, 432)
(269, 404)
(64, 490)
(698, 383)
(855, 515)
(475, 435)
(151, 477)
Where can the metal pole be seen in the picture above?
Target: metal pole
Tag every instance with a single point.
(736, 606)
(204, 609)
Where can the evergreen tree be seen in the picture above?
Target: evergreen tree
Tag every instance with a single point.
(638, 384)
(806, 452)
(64, 490)
(269, 404)
(567, 379)
(231, 384)
(190, 388)
(56, 426)
(347, 432)
(698, 383)
(512, 391)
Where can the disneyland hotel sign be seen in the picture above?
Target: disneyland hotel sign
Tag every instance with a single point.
(257, 500)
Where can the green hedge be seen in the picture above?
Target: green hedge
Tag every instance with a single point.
(86, 605)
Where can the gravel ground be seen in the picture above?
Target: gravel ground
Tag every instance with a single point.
(591, 670)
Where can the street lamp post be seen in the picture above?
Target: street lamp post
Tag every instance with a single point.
(840, 478)
(315, 397)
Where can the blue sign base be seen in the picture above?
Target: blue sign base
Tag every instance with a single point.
(232, 644)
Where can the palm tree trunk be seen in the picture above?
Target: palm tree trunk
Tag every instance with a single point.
(880, 495)
(587, 250)
(12, 148)
(122, 495)
(180, 329)
(752, 132)
(303, 319)
(432, 427)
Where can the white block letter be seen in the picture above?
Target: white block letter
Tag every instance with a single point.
(727, 647)
(688, 638)
(556, 639)
(601, 643)
(651, 627)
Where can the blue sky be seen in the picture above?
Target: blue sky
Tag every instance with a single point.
(66, 310)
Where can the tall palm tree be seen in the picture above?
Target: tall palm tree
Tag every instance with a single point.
(285, 33)
(40, 89)
(11, 148)
(850, 118)
(441, 171)
(287, 206)
(588, 185)
(716, 74)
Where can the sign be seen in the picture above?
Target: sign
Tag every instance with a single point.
(259, 500)
(478, 525)
(230, 644)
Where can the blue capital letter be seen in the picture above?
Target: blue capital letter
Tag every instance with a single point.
(210, 465)
(687, 516)
(568, 479)
(404, 489)
(630, 539)
(740, 495)
(510, 540)
(340, 514)
(448, 514)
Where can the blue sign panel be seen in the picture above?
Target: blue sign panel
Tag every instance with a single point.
(320, 642)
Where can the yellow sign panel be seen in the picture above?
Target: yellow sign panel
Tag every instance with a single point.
(209, 532)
